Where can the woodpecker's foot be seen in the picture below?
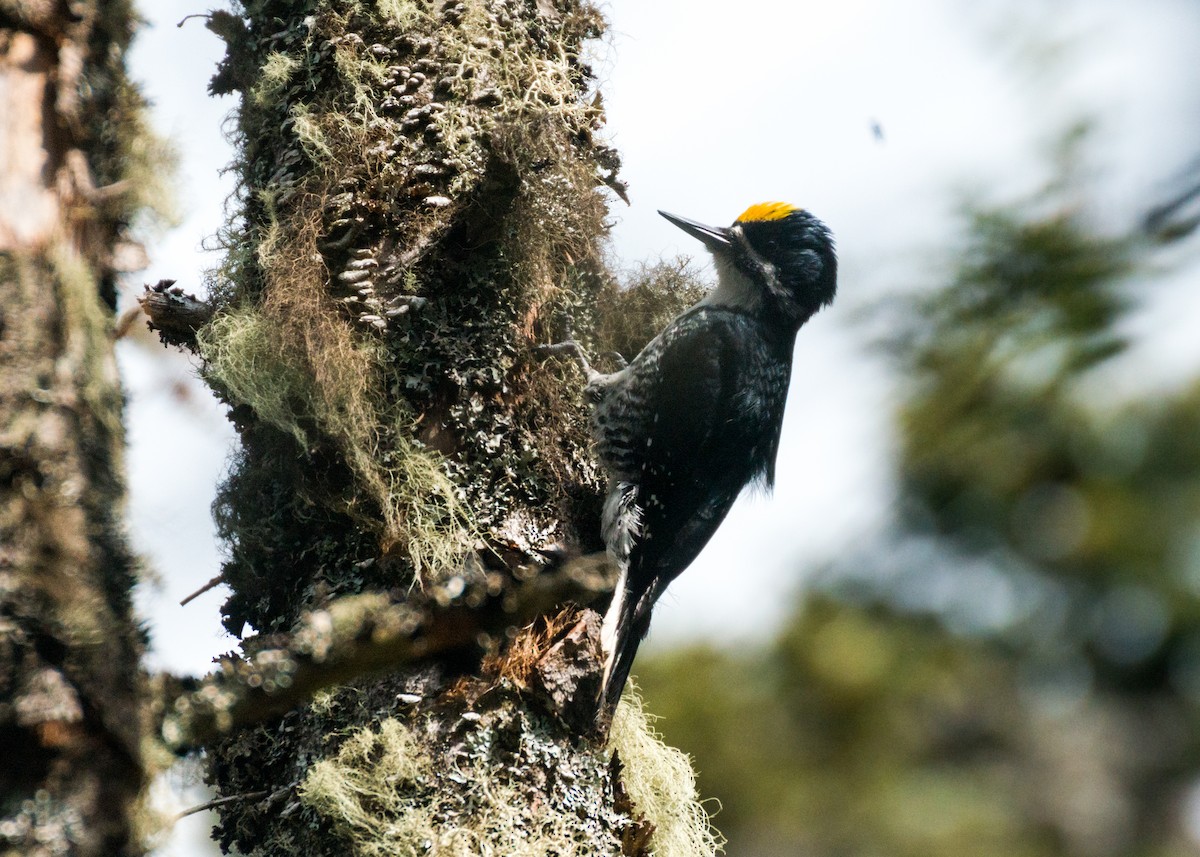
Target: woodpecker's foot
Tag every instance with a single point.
(403, 304)
(572, 348)
(617, 358)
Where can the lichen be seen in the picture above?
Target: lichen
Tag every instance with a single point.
(416, 503)
(661, 784)
(505, 785)
(648, 297)
(389, 793)
(277, 70)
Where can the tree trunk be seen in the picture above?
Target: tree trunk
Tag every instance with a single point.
(422, 205)
(71, 728)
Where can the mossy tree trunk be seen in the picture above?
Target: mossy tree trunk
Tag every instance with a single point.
(422, 203)
(71, 141)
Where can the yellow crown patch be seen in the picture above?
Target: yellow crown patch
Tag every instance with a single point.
(766, 211)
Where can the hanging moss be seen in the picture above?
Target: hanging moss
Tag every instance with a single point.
(661, 784)
(629, 315)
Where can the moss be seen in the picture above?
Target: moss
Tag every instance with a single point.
(310, 133)
(87, 326)
(631, 314)
(389, 791)
(304, 370)
(376, 792)
(661, 784)
(400, 13)
(276, 73)
(286, 519)
(149, 164)
(123, 147)
(399, 789)
(241, 355)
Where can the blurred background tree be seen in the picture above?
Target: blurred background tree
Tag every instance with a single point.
(1014, 668)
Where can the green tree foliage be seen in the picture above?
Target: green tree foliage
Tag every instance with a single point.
(1015, 668)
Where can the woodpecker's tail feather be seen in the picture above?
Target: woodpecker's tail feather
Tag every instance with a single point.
(625, 626)
(621, 525)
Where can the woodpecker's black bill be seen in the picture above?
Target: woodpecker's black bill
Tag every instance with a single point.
(714, 237)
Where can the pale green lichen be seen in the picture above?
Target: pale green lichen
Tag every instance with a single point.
(250, 357)
(400, 13)
(309, 132)
(275, 74)
(661, 784)
(389, 794)
(393, 791)
(241, 355)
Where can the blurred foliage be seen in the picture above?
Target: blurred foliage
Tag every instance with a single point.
(1014, 669)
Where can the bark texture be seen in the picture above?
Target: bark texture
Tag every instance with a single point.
(71, 729)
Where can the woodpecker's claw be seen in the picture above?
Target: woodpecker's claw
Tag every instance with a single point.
(573, 348)
(617, 358)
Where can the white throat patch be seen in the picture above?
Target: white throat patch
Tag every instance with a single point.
(734, 288)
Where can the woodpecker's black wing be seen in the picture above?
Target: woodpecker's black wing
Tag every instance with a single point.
(715, 427)
(707, 424)
(696, 456)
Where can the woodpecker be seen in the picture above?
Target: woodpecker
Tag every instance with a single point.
(696, 416)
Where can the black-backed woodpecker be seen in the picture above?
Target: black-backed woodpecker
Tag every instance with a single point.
(696, 416)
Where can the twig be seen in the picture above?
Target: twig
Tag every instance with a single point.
(212, 584)
(125, 322)
(574, 349)
(174, 313)
(1164, 223)
(213, 804)
(358, 635)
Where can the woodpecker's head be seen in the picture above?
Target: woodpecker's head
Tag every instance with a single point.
(774, 257)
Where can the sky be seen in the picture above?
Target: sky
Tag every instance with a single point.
(715, 106)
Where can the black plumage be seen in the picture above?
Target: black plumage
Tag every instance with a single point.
(696, 416)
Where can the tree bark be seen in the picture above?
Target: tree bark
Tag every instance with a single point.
(71, 725)
(423, 205)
